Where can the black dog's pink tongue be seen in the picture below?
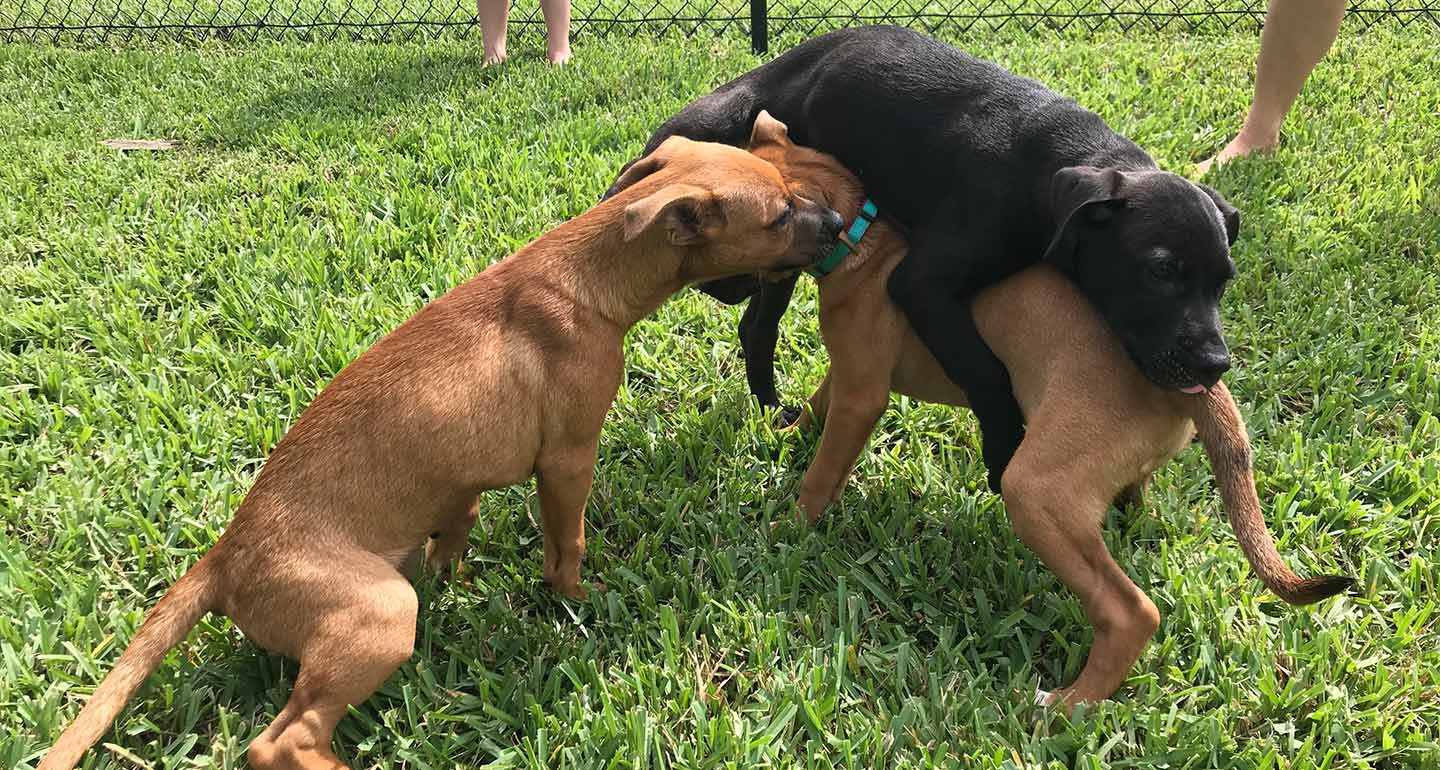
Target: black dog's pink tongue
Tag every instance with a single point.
(1193, 389)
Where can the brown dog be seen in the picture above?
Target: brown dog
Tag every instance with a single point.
(1096, 427)
(509, 375)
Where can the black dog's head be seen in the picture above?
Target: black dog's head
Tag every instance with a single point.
(1152, 250)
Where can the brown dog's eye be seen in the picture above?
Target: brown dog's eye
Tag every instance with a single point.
(784, 216)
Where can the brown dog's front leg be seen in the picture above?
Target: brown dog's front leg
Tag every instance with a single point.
(1132, 496)
(564, 486)
(849, 420)
(449, 544)
(818, 405)
(1068, 541)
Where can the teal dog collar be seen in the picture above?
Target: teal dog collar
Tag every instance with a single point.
(842, 249)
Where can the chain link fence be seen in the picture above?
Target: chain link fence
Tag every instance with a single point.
(116, 21)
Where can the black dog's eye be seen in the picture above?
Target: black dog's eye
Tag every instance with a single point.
(1167, 269)
(784, 216)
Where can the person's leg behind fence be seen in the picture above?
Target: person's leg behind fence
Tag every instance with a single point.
(557, 30)
(1296, 37)
(493, 24)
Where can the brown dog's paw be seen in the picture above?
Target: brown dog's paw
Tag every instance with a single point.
(1052, 701)
(808, 512)
(1064, 700)
(798, 520)
(575, 591)
(442, 558)
(444, 571)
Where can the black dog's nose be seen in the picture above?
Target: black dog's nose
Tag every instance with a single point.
(1208, 366)
(1206, 356)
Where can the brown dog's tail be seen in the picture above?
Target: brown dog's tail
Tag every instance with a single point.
(172, 618)
(1222, 431)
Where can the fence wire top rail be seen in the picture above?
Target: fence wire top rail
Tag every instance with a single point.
(111, 21)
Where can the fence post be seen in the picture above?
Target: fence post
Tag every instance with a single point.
(759, 26)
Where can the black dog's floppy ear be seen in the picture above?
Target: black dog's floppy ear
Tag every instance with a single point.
(1229, 213)
(1080, 196)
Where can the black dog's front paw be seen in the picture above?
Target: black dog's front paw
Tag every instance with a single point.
(786, 417)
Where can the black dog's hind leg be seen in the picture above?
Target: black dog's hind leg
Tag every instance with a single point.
(759, 334)
(928, 286)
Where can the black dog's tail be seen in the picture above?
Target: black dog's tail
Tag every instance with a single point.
(1222, 430)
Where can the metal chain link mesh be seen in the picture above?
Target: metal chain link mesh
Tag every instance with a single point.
(113, 21)
(811, 16)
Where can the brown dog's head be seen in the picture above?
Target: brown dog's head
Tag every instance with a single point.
(729, 211)
(810, 173)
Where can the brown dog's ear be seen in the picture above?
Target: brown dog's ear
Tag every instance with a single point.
(768, 130)
(1229, 213)
(1080, 197)
(687, 213)
(637, 170)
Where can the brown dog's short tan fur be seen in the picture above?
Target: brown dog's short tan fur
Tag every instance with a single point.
(509, 375)
(1096, 428)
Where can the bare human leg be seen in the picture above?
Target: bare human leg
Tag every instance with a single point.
(1297, 34)
(493, 21)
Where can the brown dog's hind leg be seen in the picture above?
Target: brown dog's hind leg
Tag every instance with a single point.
(350, 650)
(1065, 534)
(564, 486)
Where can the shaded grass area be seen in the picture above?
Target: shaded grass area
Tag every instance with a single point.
(164, 317)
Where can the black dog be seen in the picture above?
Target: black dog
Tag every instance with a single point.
(991, 172)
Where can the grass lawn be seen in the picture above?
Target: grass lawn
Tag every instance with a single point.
(165, 316)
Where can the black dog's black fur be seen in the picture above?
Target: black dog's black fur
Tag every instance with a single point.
(991, 172)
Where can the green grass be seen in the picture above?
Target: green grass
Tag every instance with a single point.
(164, 317)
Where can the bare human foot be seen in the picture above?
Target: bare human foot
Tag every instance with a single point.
(493, 25)
(557, 30)
(1296, 36)
(1239, 147)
